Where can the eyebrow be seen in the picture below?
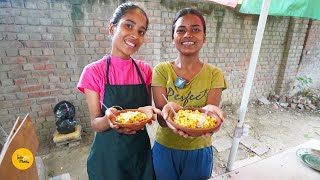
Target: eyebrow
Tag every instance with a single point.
(196, 25)
(133, 22)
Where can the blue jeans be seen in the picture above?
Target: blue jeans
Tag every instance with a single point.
(172, 164)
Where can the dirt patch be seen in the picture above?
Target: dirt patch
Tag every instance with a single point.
(278, 128)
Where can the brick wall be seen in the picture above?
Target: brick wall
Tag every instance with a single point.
(45, 45)
(309, 63)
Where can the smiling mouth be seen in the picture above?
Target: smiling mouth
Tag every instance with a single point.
(188, 43)
(130, 44)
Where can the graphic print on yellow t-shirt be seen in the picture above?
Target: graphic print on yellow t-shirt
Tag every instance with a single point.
(193, 94)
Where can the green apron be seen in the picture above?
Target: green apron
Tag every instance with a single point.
(117, 156)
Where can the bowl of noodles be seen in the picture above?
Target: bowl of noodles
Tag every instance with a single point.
(187, 120)
(133, 119)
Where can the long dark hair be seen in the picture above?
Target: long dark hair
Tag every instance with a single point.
(122, 9)
(187, 11)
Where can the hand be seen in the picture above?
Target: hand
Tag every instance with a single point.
(151, 109)
(166, 109)
(165, 114)
(110, 113)
(206, 135)
(177, 131)
(216, 110)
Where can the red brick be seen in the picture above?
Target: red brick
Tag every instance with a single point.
(98, 23)
(26, 109)
(100, 37)
(37, 59)
(42, 73)
(19, 82)
(31, 88)
(48, 52)
(46, 107)
(103, 30)
(65, 79)
(14, 60)
(23, 103)
(50, 66)
(24, 52)
(35, 44)
(39, 67)
(48, 100)
(148, 39)
(100, 50)
(38, 94)
(56, 92)
(45, 113)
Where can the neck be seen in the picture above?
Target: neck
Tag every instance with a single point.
(119, 55)
(187, 62)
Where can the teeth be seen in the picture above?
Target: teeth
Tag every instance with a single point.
(188, 43)
(130, 44)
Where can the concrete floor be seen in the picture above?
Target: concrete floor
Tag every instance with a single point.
(279, 129)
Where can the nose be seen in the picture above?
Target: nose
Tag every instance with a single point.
(188, 34)
(134, 35)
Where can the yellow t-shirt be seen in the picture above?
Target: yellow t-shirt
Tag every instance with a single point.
(194, 94)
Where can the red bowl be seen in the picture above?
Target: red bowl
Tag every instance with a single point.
(133, 126)
(196, 132)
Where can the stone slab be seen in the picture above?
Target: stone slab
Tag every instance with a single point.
(254, 145)
(222, 144)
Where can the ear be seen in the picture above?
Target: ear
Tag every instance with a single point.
(111, 28)
(204, 38)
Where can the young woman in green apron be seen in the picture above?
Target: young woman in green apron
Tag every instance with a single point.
(118, 80)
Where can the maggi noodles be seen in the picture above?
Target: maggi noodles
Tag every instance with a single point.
(131, 117)
(190, 119)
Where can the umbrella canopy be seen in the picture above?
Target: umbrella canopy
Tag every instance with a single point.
(295, 8)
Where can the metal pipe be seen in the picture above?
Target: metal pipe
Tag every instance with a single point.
(248, 85)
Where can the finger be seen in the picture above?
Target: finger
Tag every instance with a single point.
(185, 135)
(156, 111)
(181, 133)
(114, 126)
(171, 127)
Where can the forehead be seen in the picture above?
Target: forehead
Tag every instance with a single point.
(135, 15)
(189, 20)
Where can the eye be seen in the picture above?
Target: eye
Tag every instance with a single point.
(196, 29)
(179, 31)
(129, 26)
(142, 32)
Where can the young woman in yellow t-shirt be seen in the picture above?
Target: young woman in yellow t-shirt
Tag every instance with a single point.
(186, 82)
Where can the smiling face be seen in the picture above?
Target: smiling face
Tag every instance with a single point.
(128, 34)
(188, 34)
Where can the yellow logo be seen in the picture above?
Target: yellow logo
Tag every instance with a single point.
(22, 158)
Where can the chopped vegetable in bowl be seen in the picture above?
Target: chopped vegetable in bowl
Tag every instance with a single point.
(190, 119)
(131, 117)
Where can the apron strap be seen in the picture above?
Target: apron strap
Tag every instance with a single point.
(108, 63)
(140, 75)
(137, 68)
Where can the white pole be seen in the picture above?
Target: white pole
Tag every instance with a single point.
(246, 93)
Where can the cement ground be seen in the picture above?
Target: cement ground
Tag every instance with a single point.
(279, 129)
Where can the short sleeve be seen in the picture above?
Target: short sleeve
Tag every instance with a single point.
(159, 75)
(218, 80)
(89, 80)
